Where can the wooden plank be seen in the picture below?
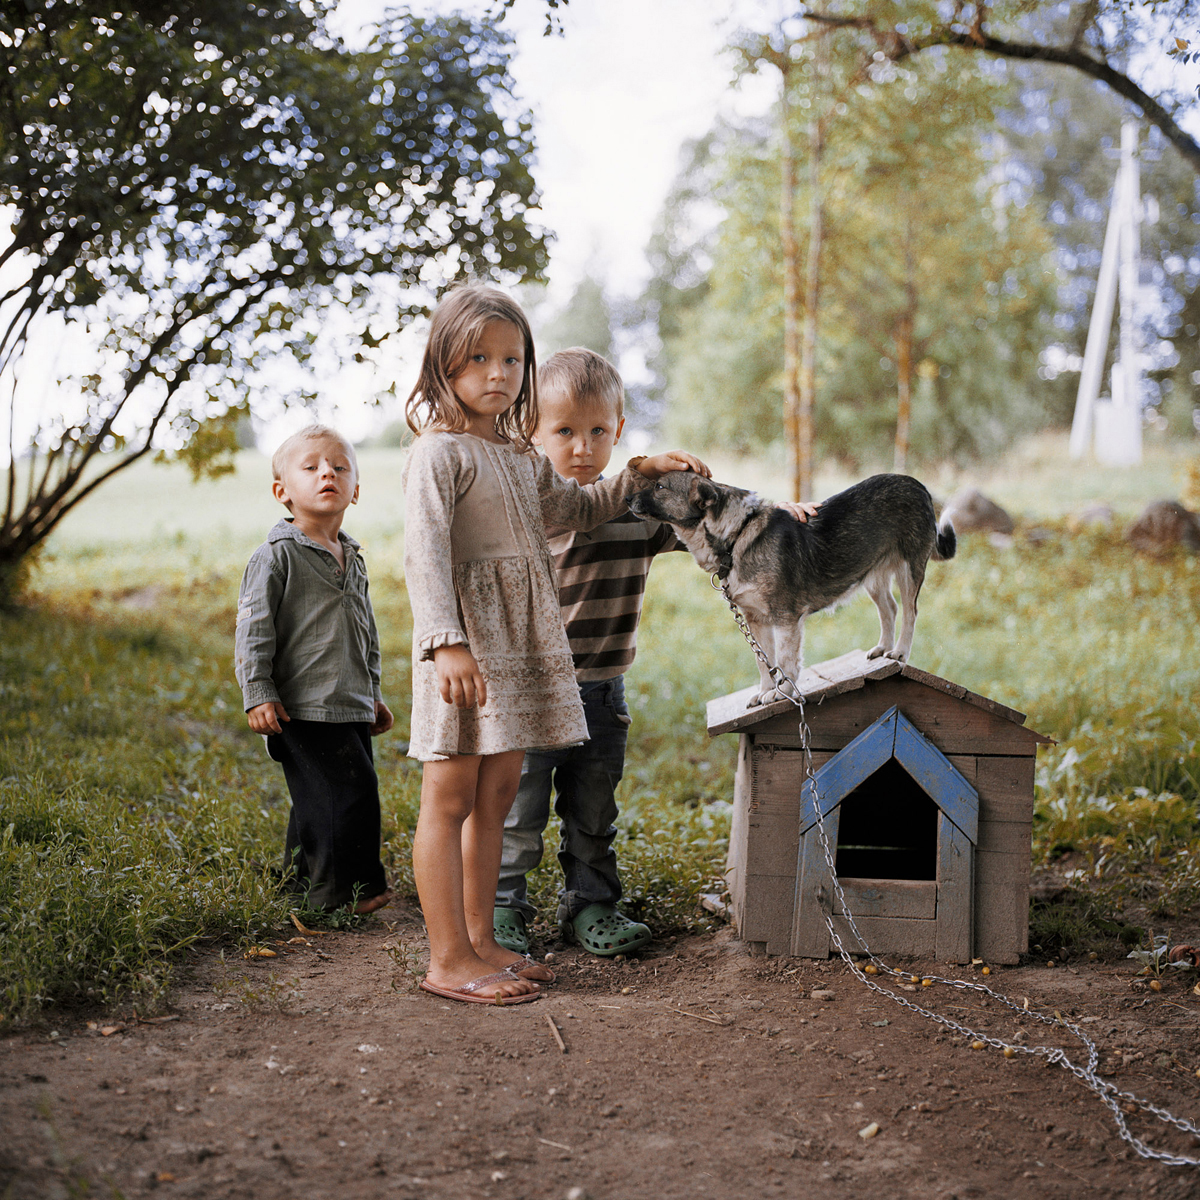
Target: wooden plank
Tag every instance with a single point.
(938, 779)
(736, 863)
(890, 935)
(961, 693)
(727, 713)
(772, 819)
(1001, 905)
(1005, 837)
(955, 893)
(847, 769)
(814, 893)
(767, 916)
(1005, 787)
(890, 898)
(953, 727)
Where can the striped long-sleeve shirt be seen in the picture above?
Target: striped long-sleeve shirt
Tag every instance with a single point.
(601, 584)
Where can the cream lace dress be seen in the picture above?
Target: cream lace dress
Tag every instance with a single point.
(479, 573)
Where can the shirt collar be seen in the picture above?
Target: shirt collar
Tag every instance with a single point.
(285, 529)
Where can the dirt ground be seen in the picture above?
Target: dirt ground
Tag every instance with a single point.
(693, 1071)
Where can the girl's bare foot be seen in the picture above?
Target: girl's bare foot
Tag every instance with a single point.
(458, 974)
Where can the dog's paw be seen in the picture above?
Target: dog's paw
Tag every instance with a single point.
(898, 655)
(876, 651)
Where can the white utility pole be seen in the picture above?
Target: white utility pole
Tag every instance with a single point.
(1117, 422)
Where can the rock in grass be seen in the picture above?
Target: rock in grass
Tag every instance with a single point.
(970, 511)
(1163, 525)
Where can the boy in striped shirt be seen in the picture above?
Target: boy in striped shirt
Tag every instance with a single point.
(601, 579)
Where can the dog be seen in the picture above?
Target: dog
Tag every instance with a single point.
(778, 570)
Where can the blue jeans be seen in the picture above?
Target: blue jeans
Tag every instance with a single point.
(584, 779)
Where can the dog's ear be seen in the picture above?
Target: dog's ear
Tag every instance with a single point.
(702, 493)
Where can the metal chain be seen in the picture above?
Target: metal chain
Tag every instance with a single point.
(1105, 1091)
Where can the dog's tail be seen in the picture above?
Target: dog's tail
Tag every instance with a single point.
(947, 542)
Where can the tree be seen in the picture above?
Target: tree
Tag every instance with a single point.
(1096, 38)
(931, 270)
(197, 189)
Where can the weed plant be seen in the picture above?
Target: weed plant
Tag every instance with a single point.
(140, 817)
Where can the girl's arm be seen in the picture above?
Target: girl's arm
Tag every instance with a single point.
(567, 505)
(434, 477)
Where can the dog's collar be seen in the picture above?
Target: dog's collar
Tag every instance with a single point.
(722, 548)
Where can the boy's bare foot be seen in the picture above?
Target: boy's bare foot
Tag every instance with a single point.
(372, 903)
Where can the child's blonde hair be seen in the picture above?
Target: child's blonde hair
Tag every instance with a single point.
(583, 375)
(310, 433)
(457, 325)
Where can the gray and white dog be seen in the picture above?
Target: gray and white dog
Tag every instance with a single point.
(779, 570)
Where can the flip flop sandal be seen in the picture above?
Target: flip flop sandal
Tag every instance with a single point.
(475, 992)
(606, 931)
(508, 928)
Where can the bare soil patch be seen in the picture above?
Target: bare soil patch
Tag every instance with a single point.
(695, 1070)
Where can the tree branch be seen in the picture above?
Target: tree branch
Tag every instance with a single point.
(898, 47)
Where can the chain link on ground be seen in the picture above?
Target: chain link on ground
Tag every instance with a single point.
(1107, 1092)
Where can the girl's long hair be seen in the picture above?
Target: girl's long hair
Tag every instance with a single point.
(457, 325)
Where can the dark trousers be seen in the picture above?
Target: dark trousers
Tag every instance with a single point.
(333, 832)
(584, 779)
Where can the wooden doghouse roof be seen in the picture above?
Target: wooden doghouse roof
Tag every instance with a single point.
(839, 676)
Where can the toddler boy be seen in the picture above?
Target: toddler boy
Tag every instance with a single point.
(307, 659)
(601, 579)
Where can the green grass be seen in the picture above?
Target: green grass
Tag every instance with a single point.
(139, 816)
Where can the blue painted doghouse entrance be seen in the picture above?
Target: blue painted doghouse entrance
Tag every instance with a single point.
(905, 824)
(928, 791)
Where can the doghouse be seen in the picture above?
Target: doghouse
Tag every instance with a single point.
(926, 791)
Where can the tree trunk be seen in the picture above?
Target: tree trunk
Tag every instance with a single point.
(903, 392)
(904, 358)
(812, 293)
(791, 294)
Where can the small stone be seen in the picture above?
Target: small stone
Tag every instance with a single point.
(755, 1004)
(821, 994)
(868, 1131)
(549, 957)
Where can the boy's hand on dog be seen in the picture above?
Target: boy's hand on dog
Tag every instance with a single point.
(265, 718)
(801, 509)
(383, 719)
(673, 460)
(460, 680)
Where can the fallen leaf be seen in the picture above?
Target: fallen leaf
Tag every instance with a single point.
(299, 941)
(109, 1030)
(165, 1177)
(305, 929)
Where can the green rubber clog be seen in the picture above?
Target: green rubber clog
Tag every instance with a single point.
(508, 928)
(607, 931)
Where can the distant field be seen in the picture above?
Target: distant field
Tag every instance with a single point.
(151, 502)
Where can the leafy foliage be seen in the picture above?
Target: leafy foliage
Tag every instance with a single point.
(198, 189)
